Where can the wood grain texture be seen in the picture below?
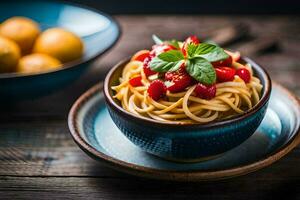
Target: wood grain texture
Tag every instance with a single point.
(114, 188)
(38, 157)
(47, 149)
(282, 63)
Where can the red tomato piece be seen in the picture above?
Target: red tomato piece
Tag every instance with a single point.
(157, 89)
(146, 67)
(141, 55)
(205, 91)
(192, 39)
(226, 62)
(244, 74)
(235, 56)
(136, 81)
(225, 74)
(161, 48)
(179, 79)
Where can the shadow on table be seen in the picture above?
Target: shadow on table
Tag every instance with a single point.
(264, 184)
(55, 105)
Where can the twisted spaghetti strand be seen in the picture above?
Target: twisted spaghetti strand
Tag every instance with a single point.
(232, 98)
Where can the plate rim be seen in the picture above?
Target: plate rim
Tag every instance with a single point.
(76, 63)
(163, 174)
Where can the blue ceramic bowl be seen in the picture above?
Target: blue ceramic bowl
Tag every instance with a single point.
(97, 30)
(186, 142)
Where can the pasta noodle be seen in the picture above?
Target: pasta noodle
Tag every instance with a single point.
(232, 98)
(187, 82)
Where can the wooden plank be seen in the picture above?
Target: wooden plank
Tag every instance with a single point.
(39, 159)
(95, 188)
(230, 34)
(46, 149)
(258, 46)
(177, 27)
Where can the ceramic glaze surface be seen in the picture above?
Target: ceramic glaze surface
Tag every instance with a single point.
(278, 127)
(97, 30)
(186, 142)
(196, 144)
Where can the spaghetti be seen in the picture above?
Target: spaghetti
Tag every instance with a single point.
(231, 98)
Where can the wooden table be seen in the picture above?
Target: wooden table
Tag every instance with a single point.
(38, 158)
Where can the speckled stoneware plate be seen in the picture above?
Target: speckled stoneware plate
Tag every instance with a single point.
(95, 133)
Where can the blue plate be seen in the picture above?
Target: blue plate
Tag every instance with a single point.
(98, 31)
(94, 131)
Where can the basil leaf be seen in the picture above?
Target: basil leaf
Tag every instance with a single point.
(201, 70)
(216, 54)
(191, 50)
(167, 61)
(171, 56)
(210, 52)
(173, 43)
(159, 65)
(210, 42)
(205, 48)
(157, 40)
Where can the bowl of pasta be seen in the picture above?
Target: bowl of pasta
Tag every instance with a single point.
(187, 101)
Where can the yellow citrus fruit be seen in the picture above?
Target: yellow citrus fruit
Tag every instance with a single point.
(22, 30)
(37, 62)
(59, 43)
(9, 55)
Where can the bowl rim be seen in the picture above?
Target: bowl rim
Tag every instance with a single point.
(264, 99)
(170, 175)
(77, 62)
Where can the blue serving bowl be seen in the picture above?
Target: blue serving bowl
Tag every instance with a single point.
(97, 30)
(186, 142)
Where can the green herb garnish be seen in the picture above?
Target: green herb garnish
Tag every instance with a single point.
(201, 70)
(198, 60)
(156, 39)
(173, 42)
(167, 61)
(210, 52)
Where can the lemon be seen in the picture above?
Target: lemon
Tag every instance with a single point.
(35, 63)
(22, 30)
(59, 43)
(9, 55)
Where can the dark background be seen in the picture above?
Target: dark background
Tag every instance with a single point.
(194, 6)
(39, 159)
